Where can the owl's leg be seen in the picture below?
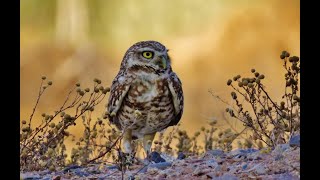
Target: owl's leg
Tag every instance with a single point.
(127, 139)
(147, 142)
(127, 147)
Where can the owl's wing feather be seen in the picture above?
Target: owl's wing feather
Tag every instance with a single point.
(175, 87)
(119, 89)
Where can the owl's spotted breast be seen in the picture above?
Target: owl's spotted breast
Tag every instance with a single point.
(153, 100)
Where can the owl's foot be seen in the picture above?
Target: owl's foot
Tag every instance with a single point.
(125, 160)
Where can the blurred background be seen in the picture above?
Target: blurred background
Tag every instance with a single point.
(210, 41)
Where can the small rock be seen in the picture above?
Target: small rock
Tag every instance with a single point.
(285, 176)
(71, 167)
(155, 157)
(161, 165)
(181, 156)
(226, 177)
(260, 170)
(112, 167)
(244, 166)
(211, 163)
(81, 173)
(295, 141)
(46, 178)
(56, 178)
(30, 176)
(278, 157)
(283, 147)
(215, 152)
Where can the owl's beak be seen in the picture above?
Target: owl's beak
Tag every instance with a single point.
(162, 62)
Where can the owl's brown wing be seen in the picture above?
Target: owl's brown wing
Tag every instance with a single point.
(175, 88)
(119, 88)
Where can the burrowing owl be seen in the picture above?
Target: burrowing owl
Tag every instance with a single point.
(146, 96)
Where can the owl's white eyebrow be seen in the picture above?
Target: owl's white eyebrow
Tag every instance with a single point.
(145, 49)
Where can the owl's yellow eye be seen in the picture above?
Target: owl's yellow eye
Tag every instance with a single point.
(147, 54)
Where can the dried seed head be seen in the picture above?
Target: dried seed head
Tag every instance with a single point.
(106, 90)
(283, 52)
(52, 168)
(81, 93)
(229, 82)
(282, 56)
(94, 134)
(240, 84)
(282, 103)
(233, 95)
(295, 97)
(245, 82)
(78, 90)
(101, 88)
(87, 89)
(258, 81)
(288, 83)
(26, 129)
(24, 122)
(250, 85)
(256, 74)
(238, 76)
(287, 54)
(52, 125)
(49, 83)
(78, 84)
(294, 59)
(43, 77)
(253, 70)
(96, 90)
(261, 76)
(202, 128)
(67, 116)
(235, 78)
(252, 80)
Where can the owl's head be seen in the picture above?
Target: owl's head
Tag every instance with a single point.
(147, 54)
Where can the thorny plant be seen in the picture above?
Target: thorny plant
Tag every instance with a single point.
(270, 122)
(43, 146)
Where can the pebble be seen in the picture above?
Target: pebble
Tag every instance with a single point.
(155, 157)
(260, 170)
(215, 152)
(225, 177)
(295, 141)
(181, 156)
